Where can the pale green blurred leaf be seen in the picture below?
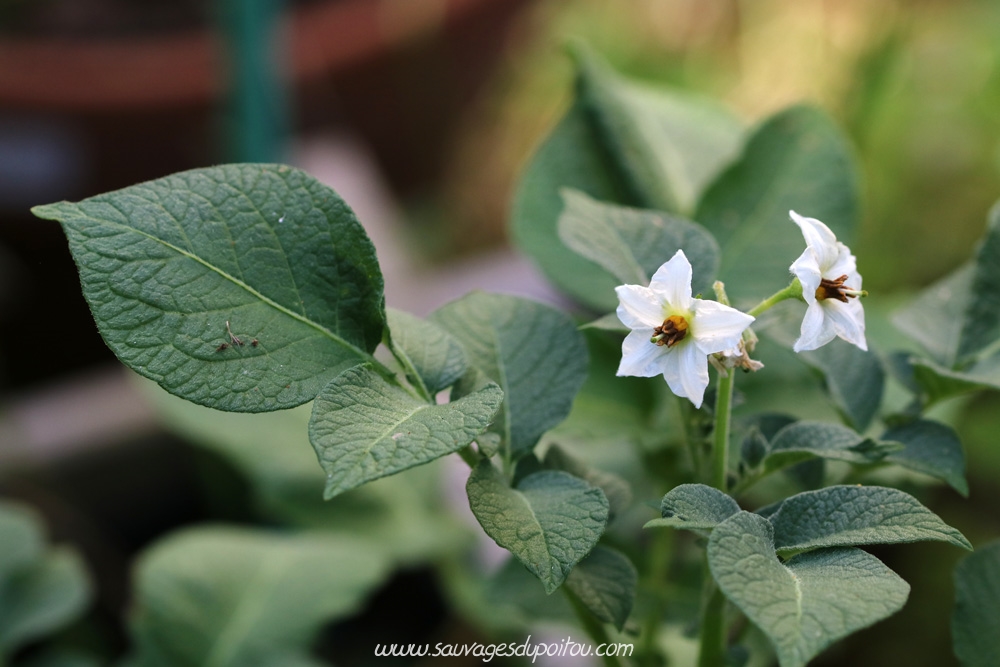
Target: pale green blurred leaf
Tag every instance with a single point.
(796, 160)
(241, 597)
(631, 244)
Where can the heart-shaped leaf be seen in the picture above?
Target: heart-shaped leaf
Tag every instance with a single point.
(241, 287)
(808, 602)
(549, 522)
(363, 428)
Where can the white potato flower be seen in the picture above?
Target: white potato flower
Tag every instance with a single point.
(831, 286)
(673, 333)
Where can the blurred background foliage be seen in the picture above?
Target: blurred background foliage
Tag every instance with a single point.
(449, 105)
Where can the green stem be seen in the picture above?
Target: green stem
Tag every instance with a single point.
(793, 291)
(593, 627)
(656, 583)
(720, 433)
(469, 456)
(408, 369)
(712, 649)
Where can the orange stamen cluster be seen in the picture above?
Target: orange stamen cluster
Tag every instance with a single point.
(835, 289)
(672, 331)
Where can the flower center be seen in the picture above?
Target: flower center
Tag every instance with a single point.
(836, 289)
(671, 332)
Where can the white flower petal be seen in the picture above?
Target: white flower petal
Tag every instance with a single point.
(692, 366)
(807, 270)
(640, 357)
(717, 327)
(672, 282)
(817, 329)
(844, 264)
(819, 237)
(847, 320)
(639, 307)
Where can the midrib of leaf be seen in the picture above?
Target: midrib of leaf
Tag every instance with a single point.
(236, 281)
(502, 381)
(373, 442)
(531, 510)
(797, 586)
(247, 611)
(634, 265)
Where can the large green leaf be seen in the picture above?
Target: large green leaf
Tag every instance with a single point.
(694, 507)
(667, 145)
(631, 244)
(605, 582)
(931, 448)
(797, 160)
(855, 380)
(435, 356)
(549, 522)
(41, 589)
(238, 597)
(853, 515)
(363, 428)
(689, 141)
(808, 602)
(976, 616)
(532, 351)
(265, 250)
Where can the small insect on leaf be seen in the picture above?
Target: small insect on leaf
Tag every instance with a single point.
(234, 339)
(224, 346)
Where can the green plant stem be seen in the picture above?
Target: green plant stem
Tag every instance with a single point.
(656, 584)
(712, 648)
(793, 291)
(469, 456)
(720, 433)
(592, 626)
